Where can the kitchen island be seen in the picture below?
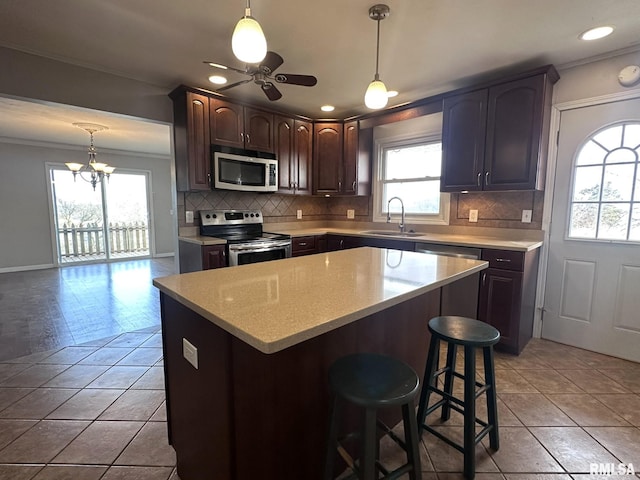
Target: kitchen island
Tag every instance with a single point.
(252, 402)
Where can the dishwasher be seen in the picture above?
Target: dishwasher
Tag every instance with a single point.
(460, 297)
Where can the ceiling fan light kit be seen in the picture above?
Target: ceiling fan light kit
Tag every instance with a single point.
(248, 42)
(376, 96)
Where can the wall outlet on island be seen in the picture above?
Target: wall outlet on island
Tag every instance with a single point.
(190, 352)
(526, 216)
(189, 216)
(351, 214)
(299, 214)
(473, 216)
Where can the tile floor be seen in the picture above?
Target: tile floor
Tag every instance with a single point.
(96, 410)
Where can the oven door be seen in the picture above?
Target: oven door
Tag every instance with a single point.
(243, 253)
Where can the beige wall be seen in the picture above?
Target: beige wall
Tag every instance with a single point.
(25, 235)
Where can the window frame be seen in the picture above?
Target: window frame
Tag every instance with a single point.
(379, 213)
(600, 202)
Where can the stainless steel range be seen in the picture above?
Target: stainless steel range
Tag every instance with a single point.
(246, 241)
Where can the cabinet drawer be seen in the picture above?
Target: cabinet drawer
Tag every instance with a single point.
(303, 244)
(504, 259)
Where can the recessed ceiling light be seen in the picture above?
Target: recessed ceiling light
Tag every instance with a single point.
(217, 79)
(596, 33)
(392, 93)
(327, 108)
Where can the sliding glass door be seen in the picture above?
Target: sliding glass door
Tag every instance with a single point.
(111, 222)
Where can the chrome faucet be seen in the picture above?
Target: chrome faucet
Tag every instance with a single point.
(401, 224)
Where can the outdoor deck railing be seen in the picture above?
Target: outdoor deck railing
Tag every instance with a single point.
(80, 240)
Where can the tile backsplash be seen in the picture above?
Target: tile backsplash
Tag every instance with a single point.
(495, 209)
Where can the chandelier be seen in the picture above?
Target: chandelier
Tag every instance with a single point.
(96, 170)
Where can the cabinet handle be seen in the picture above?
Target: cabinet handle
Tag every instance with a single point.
(248, 138)
(486, 178)
(339, 185)
(242, 136)
(479, 176)
(484, 279)
(209, 178)
(341, 244)
(303, 244)
(354, 185)
(505, 260)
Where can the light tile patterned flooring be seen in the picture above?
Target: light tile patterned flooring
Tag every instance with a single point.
(97, 411)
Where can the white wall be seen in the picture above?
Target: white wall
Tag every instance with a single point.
(594, 79)
(25, 238)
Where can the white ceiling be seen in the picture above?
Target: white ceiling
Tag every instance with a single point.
(426, 46)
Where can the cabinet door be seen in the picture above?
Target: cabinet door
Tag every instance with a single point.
(213, 256)
(303, 152)
(327, 158)
(285, 153)
(514, 133)
(350, 158)
(499, 305)
(463, 141)
(258, 130)
(198, 156)
(226, 123)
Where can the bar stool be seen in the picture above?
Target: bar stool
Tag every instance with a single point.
(372, 381)
(470, 334)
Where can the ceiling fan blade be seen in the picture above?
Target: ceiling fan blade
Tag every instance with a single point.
(271, 91)
(223, 67)
(227, 87)
(304, 80)
(271, 61)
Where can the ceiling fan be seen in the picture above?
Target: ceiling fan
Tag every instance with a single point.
(262, 74)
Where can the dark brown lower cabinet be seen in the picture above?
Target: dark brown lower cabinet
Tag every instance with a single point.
(308, 245)
(195, 257)
(507, 296)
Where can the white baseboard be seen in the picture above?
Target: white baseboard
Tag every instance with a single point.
(161, 255)
(26, 268)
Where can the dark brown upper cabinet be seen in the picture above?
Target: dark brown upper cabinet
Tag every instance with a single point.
(238, 126)
(327, 158)
(341, 159)
(294, 150)
(192, 141)
(496, 138)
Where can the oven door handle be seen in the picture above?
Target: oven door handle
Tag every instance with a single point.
(259, 248)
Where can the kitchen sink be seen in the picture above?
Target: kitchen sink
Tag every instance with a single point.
(389, 233)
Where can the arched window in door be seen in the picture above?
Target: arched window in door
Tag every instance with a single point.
(605, 200)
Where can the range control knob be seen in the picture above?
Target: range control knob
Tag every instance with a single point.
(252, 215)
(246, 215)
(208, 216)
(215, 216)
(257, 215)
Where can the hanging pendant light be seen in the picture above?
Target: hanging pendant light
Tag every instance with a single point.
(376, 96)
(97, 170)
(248, 42)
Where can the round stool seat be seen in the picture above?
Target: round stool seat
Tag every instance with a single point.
(464, 331)
(371, 380)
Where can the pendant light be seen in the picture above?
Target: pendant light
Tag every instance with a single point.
(376, 95)
(248, 42)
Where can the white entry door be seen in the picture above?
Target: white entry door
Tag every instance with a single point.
(592, 293)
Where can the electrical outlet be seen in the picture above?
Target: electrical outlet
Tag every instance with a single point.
(526, 216)
(299, 214)
(473, 216)
(189, 216)
(351, 214)
(190, 352)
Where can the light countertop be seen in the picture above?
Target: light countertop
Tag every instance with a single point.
(462, 240)
(457, 239)
(278, 304)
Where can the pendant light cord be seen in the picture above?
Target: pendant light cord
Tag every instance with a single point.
(377, 49)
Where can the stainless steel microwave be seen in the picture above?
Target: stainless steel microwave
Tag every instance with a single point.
(243, 170)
